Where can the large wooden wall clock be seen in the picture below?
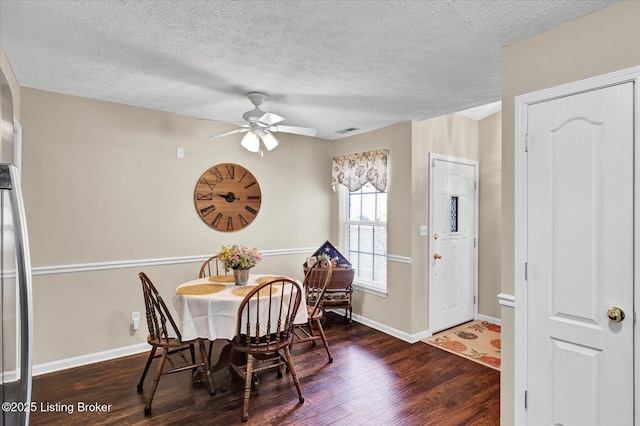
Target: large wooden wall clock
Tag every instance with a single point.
(227, 197)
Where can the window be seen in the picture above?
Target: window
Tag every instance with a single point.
(365, 236)
(454, 213)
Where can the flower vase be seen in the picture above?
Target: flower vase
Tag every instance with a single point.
(241, 276)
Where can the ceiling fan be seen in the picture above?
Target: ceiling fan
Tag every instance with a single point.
(260, 127)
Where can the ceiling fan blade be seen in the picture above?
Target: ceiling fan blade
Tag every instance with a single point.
(305, 131)
(269, 118)
(227, 133)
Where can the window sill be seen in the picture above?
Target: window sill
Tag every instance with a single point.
(369, 289)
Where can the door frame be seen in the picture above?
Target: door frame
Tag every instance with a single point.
(432, 158)
(522, 103)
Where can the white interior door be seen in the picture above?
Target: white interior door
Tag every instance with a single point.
(580, 231)
(453, 211)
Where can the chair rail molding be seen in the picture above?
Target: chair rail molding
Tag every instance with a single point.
(122, 264)
(508, 300)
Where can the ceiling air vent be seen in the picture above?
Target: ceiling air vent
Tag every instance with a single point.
(347, 130)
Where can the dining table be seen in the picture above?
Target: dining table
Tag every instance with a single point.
(208, 308)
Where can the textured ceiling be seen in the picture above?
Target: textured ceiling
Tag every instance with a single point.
(325, 64)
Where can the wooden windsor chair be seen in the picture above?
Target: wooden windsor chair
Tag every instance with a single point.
(164, 335)
(264, 333)
(212, 267)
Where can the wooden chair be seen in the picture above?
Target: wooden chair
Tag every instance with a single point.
(211, 267)
(164, 334)
(316, 281)
(264, 333)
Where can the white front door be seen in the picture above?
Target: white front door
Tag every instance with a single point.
(580, 231)
(453, 211)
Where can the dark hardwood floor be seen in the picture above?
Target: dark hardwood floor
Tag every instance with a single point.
(375, 379)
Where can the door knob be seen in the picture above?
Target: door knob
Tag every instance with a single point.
(437, 256)
(615, 314)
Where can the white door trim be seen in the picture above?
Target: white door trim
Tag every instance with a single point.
(520, 198)
(433, 157)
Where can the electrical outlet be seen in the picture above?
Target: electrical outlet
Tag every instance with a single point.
(423, 230)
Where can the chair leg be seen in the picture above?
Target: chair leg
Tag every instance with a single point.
(324, 340)
(146, 367)
(247, 387)
(294, 375)
(163, 359)
(348, 313)
(311, 334)
(205, 361)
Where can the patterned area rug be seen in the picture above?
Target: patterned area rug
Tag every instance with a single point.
(478, 341)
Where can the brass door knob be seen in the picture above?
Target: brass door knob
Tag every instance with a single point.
(615, 314)
(437, 256)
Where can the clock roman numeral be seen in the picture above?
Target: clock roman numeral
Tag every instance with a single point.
(229, 223)
(245, 173)
(205, 211)
(243, 221)
(200, 196)
(253, 197)
(217, 220)
(206, 182)
(250, 209)
(217, 174)
(250, 185)
(231, 171)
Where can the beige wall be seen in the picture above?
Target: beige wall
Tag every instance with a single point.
(604, 41)
(490, 209)
(102, 184)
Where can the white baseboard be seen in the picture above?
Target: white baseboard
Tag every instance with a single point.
(63, 364)
(410, 338)
(492, 320)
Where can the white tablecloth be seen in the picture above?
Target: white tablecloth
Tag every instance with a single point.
(214, 316)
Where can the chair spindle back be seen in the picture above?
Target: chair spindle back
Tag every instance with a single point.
(211, 267)
(157, 312)
(266, 314)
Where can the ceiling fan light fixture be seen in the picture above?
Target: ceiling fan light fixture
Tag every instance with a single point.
(251, 142)
(260, 126)
(269, 141)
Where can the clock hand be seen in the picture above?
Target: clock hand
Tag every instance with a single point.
(229, 197)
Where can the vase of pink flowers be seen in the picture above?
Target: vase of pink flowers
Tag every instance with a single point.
(240, 259)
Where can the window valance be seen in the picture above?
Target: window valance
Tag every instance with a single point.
(355, 170)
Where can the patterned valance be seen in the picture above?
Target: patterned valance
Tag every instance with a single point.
(355, 170)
